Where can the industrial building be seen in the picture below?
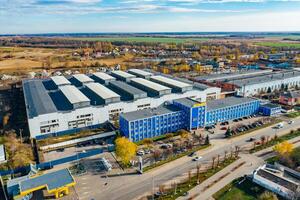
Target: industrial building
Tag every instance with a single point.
(57, 183)
(176, 86)
(140, 73)
(123, 76)
(65, 105)
(253, 82)
(184, 113)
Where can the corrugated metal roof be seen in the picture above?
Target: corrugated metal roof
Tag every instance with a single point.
(102, 91)
(128, 88)
(150, 84)
(37, 98)
(170, 81)
(73, 94)
(186, 101)
(123, 74)
(104, 76)
(140, 72)
(60, 80)
(83, 78)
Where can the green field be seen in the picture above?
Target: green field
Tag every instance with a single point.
(279, 44)
(240, 190)
(142, 39)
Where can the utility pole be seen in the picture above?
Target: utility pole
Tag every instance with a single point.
(2, 186)
(152, 188)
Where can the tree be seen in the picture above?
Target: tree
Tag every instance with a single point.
(156, 154)
(283, 148)
(228, 133)
(263, 139)
(183, 134)
(19, 154)
(269, 90)
(267, 196)
(147, 141)
(207, 142)
(125, 149)
(169, 135)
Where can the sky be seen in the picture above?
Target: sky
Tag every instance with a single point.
(84, 16)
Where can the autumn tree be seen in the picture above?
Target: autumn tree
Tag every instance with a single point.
(147, 141)
(268, 196)
(125, 149)
(19, 154)
(283, 148)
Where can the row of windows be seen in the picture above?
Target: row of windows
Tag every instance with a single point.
(49, 122)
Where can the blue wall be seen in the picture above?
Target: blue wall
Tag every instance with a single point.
(232, 112)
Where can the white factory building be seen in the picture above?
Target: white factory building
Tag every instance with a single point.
(63, 105)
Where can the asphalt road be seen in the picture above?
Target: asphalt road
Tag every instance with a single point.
(126, 187)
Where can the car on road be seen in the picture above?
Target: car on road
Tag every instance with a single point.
(251, 139)
(290, 122)
(197, 158)
(140, 153)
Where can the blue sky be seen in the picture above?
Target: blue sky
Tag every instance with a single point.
(62, 16)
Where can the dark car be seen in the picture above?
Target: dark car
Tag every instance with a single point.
(192, 154)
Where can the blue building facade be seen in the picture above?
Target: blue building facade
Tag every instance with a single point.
(184, 113)
(270, 109)
(151, 123)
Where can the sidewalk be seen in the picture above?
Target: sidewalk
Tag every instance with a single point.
(224, 177)
(200, 193)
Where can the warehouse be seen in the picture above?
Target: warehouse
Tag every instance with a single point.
(177, 86)
(267, 83)
(60, 80)
(184, 113)
(152, 89)
(69, 108)
(103, 78)
(140, 73)
(122, 76)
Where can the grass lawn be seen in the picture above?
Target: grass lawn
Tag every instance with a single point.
(238, 190)
(273, 142)
(279, 44)
(293, 114)
(141, 39)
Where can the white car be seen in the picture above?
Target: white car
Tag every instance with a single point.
(197, 158)
(140, 153)
(290, 122)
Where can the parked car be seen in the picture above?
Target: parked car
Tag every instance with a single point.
(251, 139)
(224, 128)
(147, 151)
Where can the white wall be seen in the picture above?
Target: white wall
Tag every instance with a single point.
(101, 113)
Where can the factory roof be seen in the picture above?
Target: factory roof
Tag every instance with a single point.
(266, 78)
(224, 76)
(150, 84)
(101, 91)
(123, 74)
(52, 180)
(140, 72)
(170, 81)
(73, 94)
(37, 99)
(128, 88)
(147, 113)
(104, 76)
(60, 80)
(83, 78)
(187, 102)
(226, 102)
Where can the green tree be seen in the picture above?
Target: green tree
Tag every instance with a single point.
(125, 149)
(228, 133)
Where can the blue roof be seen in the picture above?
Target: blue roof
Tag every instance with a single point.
(37, 99)
(53, 180)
